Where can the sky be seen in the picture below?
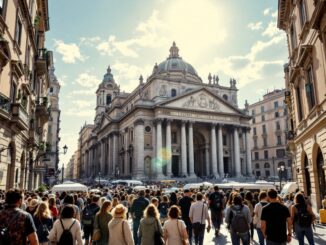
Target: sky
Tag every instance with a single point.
(230, 38)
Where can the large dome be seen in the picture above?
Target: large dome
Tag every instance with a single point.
(174, 63)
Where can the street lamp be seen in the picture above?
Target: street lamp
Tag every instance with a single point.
(62, 172)
(280, 170)
(65, 148)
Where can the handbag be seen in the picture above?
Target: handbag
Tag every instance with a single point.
(97, 232)
(158, 239)
(183, 240)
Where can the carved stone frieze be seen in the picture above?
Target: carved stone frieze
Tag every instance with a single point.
(201, 101)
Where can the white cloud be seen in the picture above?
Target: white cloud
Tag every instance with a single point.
(62, 80)
(272, 30)
(274, 14)
(90, 41)
(87, 80)
(82, 92)
(267, 11)
(84, 104)
(70, 52)
(77, 112)
(255, 26)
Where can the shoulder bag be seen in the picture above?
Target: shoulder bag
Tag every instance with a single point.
(97, 232)
(158, 239)
(183, 240)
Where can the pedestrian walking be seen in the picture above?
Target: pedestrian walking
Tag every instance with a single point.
(66, 230)
(119, 229)
(257, 216)
(198, 215)
(249, 201)
(102, 219)
(53, 208)
(216, 205)
(276, 222)
(88, 217)
(17, 224)
(43, 222)
(137, 208)
(238, 218)
(302, 218)
(69, 200)
(149, 225)
(185, 204)
(163, 209)
(175, 230)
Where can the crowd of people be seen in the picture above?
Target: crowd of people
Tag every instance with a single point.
(149, 217)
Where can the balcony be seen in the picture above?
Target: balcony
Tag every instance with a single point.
(290, 135)
(19, 117)
(4, 108)
(42, 109)
(34, 137)
(41, 62)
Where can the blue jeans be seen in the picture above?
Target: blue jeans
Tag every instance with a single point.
(236, 237)
(302, 232)
(135, 227)
(261, 237)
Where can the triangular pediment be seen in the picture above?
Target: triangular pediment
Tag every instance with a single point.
(105, 120)
(201, 100)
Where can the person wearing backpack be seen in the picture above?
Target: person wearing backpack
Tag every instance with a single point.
(88, 217)
(276, 221)
(302, 218)
(16, 225)
(257, 215)
(43, 222)
(238, 219)
(163, 209)
(216, 205)
(66, 230)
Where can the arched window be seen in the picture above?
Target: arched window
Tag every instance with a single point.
(225, 97)
(257, 165)
(267, 165)
(173, 92)
(108, 99)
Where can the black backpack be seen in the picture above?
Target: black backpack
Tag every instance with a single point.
(216, 201)
(66, 237)
(88, 215)
(304, 218)
(5, 236)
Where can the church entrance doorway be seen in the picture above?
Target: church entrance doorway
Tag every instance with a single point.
(226, 166)
(175, 166)
(321, 175)
(199, 154)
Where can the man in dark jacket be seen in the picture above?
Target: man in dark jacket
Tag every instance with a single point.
(19, 223)
(136, 210)
(185, 204)
(88, 217)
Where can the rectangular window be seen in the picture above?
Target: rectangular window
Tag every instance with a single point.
(280, 153)
(279, 140)
(299, 104)
(278, 126)
(18, 32)
(267, 173)
(253, 120)
(13, 92)
(303, 14)
(309, 87)
(174, 138)
(265, 141)
(224, 139)
(264, 129)
(277, 114)
(258, 173)
(253, 112)
(263, 118)
(275, 104)
(255, 131)
(262, 109)
(27, 56)
(265, 154)
(293, 37)
(255, 143)
(256, 155)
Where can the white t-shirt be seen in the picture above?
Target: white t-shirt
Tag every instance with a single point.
(170, 226)
(258, 209)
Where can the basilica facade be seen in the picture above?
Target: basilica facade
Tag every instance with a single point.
(171, 125)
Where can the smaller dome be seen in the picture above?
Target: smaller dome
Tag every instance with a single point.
(174, 63)
(108, 77)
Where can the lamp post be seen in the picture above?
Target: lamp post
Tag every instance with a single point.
(62, 172)
(280, 170)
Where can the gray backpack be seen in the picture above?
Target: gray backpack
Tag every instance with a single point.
(239, 222)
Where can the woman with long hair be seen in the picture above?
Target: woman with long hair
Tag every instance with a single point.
(119, 229)
(53, 208)
(302, 218)
(69, 200)
(115, 202)
(66, 222)
(102, 219)
(149, 225)
(43, 222)
(249, 201)
(175, 230)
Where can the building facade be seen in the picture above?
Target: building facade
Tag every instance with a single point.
(304, 23)
(268, 137)
(171, 125)
(23, 92)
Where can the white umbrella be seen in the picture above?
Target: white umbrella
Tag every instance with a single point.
(69, 187)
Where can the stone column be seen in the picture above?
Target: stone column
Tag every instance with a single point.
(102, 157)
(168, 148)
(115, 157)
(111, 173)
(220, 151)
(191, 151)
(126, 156)
(208, 171)
(159, 160)
(237, 152)
(139, 148)
(183, 150)
(248, 153)
(213, 151)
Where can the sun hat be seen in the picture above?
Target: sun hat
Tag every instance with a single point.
(119, 211)
(33, 203)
